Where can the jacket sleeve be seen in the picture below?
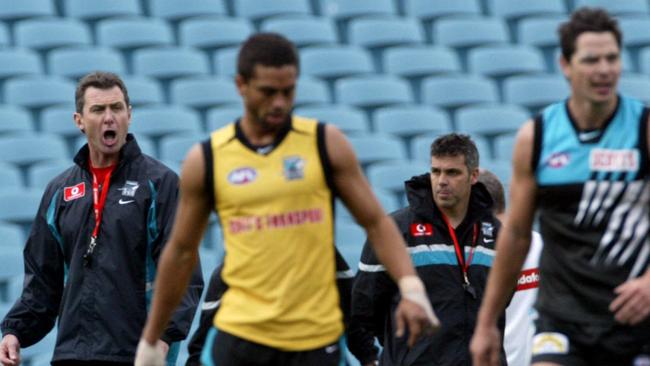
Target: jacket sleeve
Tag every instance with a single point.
(371, 305)
(34, 313)
(216, 289)
(181, 321)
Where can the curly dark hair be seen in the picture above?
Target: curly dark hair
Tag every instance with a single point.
(267, 49)
(586, 19)
(455, 144)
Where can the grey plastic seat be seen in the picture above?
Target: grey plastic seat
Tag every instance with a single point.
(491, 120)
(349, 119)
(15, 120)
(502, 61)
(49, 33)
(38, 91)
(258, 10)
(77, 62)
(303, 31)
(373, 91)
(536, 91)
(15, 10)
(175, 10)
(96, 10)
(134, 32)
(458, 90)
(335, 61)
(345, 9)
(420, 61)
(19, 62)
(408, 121)
(364, 32)
(203, 92)
(210, 33)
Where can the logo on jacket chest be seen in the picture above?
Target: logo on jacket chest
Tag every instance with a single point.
(74, 192)
(129, 188)
(421, 229)
(487, 229)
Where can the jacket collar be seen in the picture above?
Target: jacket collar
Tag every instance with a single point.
(129, 152)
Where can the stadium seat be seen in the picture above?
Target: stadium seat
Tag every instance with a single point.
(617, 8)
(503, 147)
(130, 33)
(40, 174)
(541, 32)
(428, 10)
(349, 239)
(502, 61)
(96, 10)
(38, 91)
(59, 120)
(11, 260)
(372, 148)
(636, 86)
(469, 32)
(364, 32)
(387, 199)
(143, 90)
(331, 62)
(19, 206)
(513, 10)
(225, 61)
(644, 60)
(19, 62)
(346, 9)
(408, 121)
(5, 39)
(15, 10)
(491, 120)
(170, 62)
(421, 147)
(636, 31)
(311, 91)
(535, 91)
(10, 177)
(19, 149)
(349, 119)
(46, 34)
(420, 61)
(258, 10)
(221, 116)
(176, 10)
(373, 91)
(77, 62)
(390, 176)
(204, 92)
(158, 121)
(502, 168)
(303, 31)
(175, 148)
(12, 236)
(213, 33)
(458, 90)
(14, 119)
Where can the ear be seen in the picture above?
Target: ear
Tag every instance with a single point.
(565, 65)
(78, 121)
(473, 177)
(129, 109)
(241, 84)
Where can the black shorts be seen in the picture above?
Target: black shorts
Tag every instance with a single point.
(224, 349)
(579, 344)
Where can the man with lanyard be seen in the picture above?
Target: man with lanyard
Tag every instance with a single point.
(90, 260)
(272, 177)
(582, 166)
(450, 231)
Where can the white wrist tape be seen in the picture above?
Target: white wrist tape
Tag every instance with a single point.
(149, 355)
(412, 289)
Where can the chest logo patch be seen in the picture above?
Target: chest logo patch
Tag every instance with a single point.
(294, 167)
(129, 188)
(557, 160)
(608, 160)
(241, 176)
(421, 229)
(74, 192)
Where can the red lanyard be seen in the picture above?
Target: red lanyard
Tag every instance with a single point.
(459, 255)
(99, 200)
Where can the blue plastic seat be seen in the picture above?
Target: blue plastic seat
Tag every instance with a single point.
(40, 174)
(14, 10)
(143, 90)
(158, 121)
(311, 91)
(95, 10)
(390, 176)
(491, 120)
(539, 31)
(503, 147)
(385, 32)
(77, 62)
(349, 239)
(204, 92)
(45, 34)
(212, 33)
(19, 206)
(175, 10)
(617, 8)
(11, 262)
(303, 31)
(502, 168)
(225, 61)
(348, 119)
(372, 148)
(373, 91)
(134, 32)
(335, 61)
(636, 31)
(19, 62)
(38, 91)
(59, 120)
(5, 39)
(387, 199)
(257, 10)
(221, 116)
(470, 32)
(14, 119)
(429, 10)
(420, 61)
(175, 148)
(12, 236)
(346, 9)
(502, 61)
(636, 86)
(170, 62)
(408, 121)
(19, 149)
(515, 9)
(536, 91)
(455, 91)
(10, 177)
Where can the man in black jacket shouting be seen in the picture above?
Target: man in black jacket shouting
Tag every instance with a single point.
(450, 232)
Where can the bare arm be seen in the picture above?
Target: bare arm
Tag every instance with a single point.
(512, 247)
(181, 252)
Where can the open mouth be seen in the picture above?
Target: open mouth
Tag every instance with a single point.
(109, 137)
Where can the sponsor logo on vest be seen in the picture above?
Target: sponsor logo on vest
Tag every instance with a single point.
(609, 160)
(241, 176)
(557, 160)
(421, 229)
(528, 279)
(239, 225)
(74, 192)
(294, 167)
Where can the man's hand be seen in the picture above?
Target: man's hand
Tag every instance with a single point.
(632, 305)
(485, 346)
(10, 350)
(414, 310)
(150, 355)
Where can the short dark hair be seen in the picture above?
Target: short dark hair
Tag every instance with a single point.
(267, 49)
(100, 80)
(495, 188)
(582, 20)
(455, 144)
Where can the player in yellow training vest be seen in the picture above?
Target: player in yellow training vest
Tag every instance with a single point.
(271, 177)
